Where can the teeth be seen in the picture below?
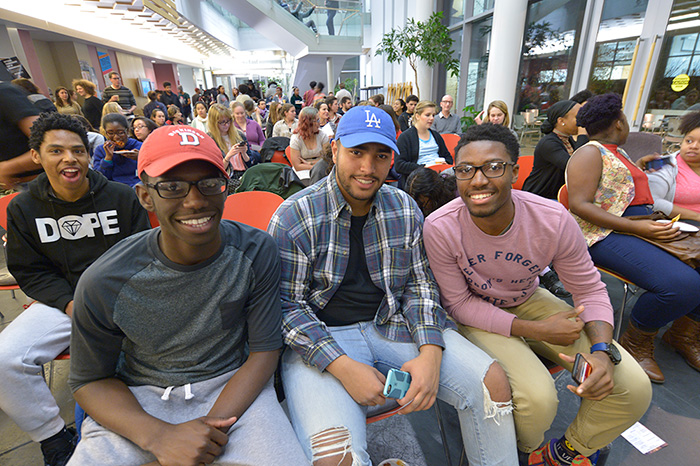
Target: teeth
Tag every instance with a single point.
(480, 196)
(367, 182)
(196, 221)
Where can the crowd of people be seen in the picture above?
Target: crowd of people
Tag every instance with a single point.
(381, 263)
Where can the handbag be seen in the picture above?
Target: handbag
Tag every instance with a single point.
(685, 246)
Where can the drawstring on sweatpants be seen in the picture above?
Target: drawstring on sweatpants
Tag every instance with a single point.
(188, 392)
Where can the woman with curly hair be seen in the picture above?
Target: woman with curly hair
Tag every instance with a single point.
(174, 116)
(92, 107)
(64, 103)
(306, 143)
(606, 190)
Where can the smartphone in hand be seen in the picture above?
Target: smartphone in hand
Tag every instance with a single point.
(397, 383)
(581, 369)
(656, 164)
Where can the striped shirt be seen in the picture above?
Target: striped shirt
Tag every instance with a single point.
(312, 230)
(126, 98)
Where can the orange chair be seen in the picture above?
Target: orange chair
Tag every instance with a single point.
(525, 162)
(451, 141)
(288, 154)
(563, 198)
(3, 223)
(280, 157)
(440, 167)
(254, 208)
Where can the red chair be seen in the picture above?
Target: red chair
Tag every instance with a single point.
(440, 167)
(525, 162)
(3, 223)
(254, 208)
(280, 157)
(451, 141)
(563, 198)
(288, 155)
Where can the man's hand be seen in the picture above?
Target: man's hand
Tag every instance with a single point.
(425, 379)
(599, 383)
(560, 329)
(363, 383)
(69, 309)
(192, 443)
(114, 98)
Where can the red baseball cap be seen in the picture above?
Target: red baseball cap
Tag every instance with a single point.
(170, 146)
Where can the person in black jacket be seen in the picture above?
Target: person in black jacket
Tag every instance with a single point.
(420, 145)
(69, 216)
(168, 97)
(553, 151)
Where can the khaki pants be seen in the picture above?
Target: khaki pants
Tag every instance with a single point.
(535, 396)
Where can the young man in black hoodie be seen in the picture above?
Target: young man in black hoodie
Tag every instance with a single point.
(67, 219)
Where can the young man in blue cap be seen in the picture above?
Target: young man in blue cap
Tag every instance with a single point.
(359, 299)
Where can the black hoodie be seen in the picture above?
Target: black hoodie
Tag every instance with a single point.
(50, 242)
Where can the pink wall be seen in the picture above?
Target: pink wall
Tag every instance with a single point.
(148, 69)
(95, 63)
(165, 72)
(33, 61)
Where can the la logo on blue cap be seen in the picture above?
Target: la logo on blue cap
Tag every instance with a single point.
(372, 119)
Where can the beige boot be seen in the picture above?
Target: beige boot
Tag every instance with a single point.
(684, 337)
(640, 345)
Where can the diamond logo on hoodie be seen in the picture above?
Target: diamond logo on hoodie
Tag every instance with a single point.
(72, 226)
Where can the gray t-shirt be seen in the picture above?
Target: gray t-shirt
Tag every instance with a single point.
(148, 321)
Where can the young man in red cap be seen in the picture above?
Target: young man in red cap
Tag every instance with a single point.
(179, 327)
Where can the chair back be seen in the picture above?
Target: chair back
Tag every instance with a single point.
(640, 144)
(525, 162)
(440, 167)
(451, 141)
(254, 208)
(288, 154)
(563, 196)
(4, 201)
(280, 157)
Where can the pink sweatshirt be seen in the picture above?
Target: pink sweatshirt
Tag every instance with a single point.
(479, 274)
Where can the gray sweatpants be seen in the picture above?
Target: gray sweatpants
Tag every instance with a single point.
(262, 436)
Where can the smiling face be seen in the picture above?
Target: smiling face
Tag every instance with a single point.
(496, 116)
(690, 149)
(487, 199)
(239, 114)
(65, 160)
(80, 91)
(189, 225)
(397, 107)
(323, 112)
(360, 172)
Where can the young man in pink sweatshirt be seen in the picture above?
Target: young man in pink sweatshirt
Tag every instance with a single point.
(486, 250)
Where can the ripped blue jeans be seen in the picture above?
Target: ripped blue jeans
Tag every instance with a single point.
(323, 413)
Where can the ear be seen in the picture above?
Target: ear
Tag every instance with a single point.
(334, 149)
(36, 158)
(516, 171)
(145, 197)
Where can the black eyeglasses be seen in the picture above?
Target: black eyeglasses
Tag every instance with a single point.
(490, 170)
(179, 189)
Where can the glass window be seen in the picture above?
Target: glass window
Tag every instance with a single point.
(680, 55)
(482, 5)
(478, 63)
(454, 11)
(452, 82)
(550, 44)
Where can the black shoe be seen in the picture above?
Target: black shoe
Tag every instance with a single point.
(58, 449)
(523, 458)
(551, 282)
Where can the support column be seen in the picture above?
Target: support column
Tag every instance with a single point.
(330, 75)
(505, 53)
(425, 73)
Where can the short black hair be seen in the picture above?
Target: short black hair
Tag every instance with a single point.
(345, 99)
(115, 118)
(430, 190)
(312, 84)
(689, 122)
(599, 113)
(412, 98)
(52, 121)
(490, 132)
(320, 86)
(166, 84)
(582, 96)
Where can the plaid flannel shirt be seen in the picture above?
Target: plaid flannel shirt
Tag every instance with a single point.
(312, 230)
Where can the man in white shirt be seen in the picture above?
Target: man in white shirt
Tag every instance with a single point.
(445, 122)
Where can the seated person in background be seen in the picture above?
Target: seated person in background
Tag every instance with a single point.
(406, 118)
(605, 189)
(172, 379)
(158, 116)
(430, 189)
(287, 124)
(676, 186)
(153, 104)
(553, 151)
(250, 128)
(116, 158)
(345, 104)
(306, 143)
(323, 167)
(200, 116)
(273, 116)
(64, 102)
(66, 219)
(486, 250)
(324, 123)
(141, 127)
(420, 145)
(174, 115)
(446, 122)
(358, 299)
(231, 141)
(40, 101)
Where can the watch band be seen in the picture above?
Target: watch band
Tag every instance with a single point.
(602, 346)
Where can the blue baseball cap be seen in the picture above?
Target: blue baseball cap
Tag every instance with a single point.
(365, 124)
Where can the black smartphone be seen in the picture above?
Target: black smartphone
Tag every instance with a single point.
(656, 164)
(581, 369)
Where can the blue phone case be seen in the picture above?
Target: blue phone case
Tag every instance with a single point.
(397, 383)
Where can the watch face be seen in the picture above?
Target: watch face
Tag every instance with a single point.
(614, 354)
